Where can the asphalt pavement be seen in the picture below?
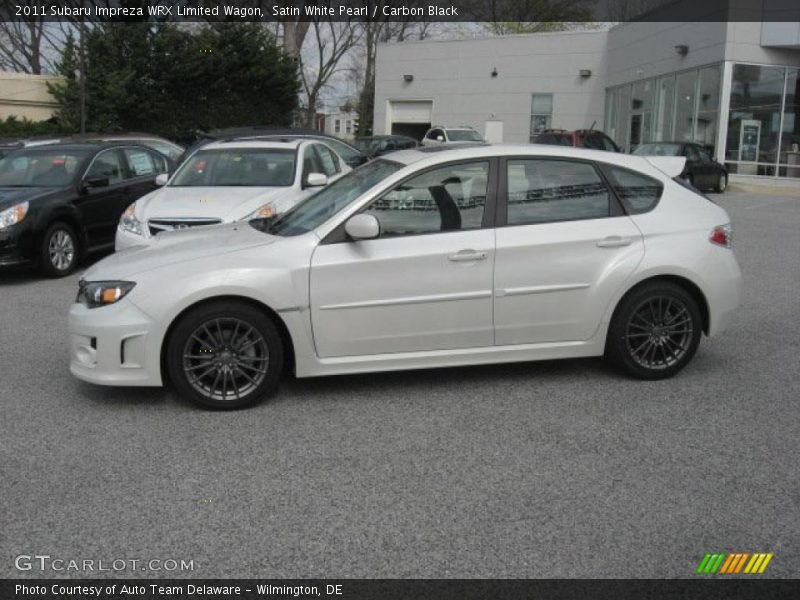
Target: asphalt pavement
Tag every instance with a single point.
(553, 469)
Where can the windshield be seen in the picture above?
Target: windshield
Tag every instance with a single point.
(320, 207)
(464, 135)
(348, 153)
(40, 168)
(247, 167)
(658, 150)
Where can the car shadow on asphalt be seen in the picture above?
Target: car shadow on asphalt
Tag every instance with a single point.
(13, 276)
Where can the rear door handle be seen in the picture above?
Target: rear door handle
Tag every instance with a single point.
(614, 241)
(467, 256)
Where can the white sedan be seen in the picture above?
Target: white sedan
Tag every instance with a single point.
(229, 181)
(421, 259)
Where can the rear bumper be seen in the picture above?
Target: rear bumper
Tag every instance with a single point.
(724, 290)
(114, 345)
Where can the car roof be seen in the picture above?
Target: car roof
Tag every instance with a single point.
(426, 156)
(253, 143)
(88, 145)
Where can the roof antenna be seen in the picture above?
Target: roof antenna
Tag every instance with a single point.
(593, 124)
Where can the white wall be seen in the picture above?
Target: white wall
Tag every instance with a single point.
(456, 76)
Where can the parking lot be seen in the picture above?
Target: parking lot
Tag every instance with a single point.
(555, 469)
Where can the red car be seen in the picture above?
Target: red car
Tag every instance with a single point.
(580, 138)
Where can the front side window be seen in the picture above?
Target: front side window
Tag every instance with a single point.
(257, 167)
(37, 168)
(316, 209)
(542, 191)
(541, 114)
(691, 153)
(638, 193)
(106, 165)
(450, 198)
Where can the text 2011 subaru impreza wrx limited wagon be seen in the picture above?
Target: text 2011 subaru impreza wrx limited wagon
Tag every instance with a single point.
(423, 258)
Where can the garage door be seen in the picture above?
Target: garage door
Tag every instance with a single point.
(407, 111)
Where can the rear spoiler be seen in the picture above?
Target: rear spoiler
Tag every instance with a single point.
(671, 165)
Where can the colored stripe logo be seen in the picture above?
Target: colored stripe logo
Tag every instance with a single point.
(734, 563)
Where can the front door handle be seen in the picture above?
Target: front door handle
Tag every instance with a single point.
(614, 241)
(467, 256)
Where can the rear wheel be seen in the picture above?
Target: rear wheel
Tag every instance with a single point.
(59, 251)
(722, 183)
(225, 355)
(655, 331)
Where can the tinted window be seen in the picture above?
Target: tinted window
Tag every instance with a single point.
(540, 191)
(691, 153)
(555, 139)
(594, 142)
(40, 168)
(106, 165)
(310, 162)
(450, 198)
(464, 135)
(174, 152)
(638, 193)
(658, 149)
(608, 143)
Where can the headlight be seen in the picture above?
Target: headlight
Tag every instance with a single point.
(129, 222)
(102, 293)
(266, 211)
(13, 215)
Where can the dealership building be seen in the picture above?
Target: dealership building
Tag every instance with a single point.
(731, 86)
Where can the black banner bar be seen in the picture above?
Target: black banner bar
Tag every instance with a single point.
(99, 11)
(397, 589)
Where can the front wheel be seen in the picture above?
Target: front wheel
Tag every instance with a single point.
(655, 331)
(59, 250)
(225, 355)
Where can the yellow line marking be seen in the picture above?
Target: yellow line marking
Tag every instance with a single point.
(765, 563)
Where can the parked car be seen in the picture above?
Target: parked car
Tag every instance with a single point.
(378, 145)
(510, 253)
(349, 153)
(60, 201)
(701, 170)
(223, 182)
(451, 135)
(580, 138)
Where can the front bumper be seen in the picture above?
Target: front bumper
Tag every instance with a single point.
(17, 246)
(114, 345)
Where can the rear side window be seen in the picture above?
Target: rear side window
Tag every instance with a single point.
(558, 139)
(544, 191)
(638, 193)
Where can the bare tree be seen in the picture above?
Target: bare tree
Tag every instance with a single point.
(330, 42)
(29, 46)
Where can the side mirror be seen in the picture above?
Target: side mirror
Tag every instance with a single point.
(96, 182)
(362, 227)
(316, 180)
(439, 138)
(161, 179)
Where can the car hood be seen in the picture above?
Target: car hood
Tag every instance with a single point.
(10, 196)
(226, 203)
(174, 247)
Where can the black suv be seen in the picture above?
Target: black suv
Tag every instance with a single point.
(63, 200)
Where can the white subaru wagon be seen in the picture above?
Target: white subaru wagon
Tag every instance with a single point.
(422, 258)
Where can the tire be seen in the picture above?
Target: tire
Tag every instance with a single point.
(655, 331)
(222, 344)
(59, 252)
(722, 183)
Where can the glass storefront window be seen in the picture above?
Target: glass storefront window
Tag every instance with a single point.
(754, 119)
(685, 105)
(790, 132)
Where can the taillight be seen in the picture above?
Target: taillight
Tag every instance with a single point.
(722, 235)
